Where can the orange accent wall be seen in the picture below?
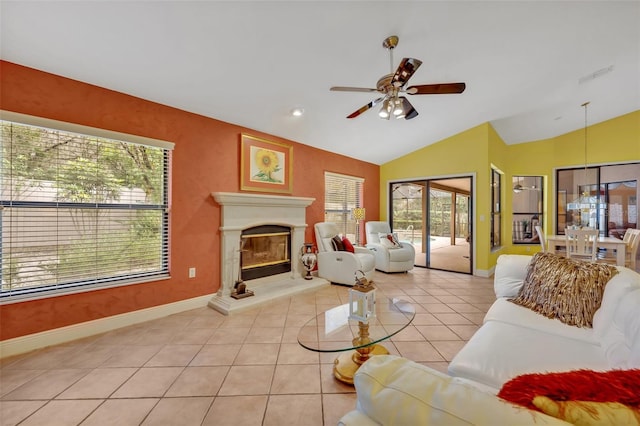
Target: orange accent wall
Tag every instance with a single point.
(206, 159)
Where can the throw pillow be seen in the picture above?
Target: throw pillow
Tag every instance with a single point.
(347, 245)
(389, 240)
(336, 243)
(587, 413)
(567, 289)
(621, 386)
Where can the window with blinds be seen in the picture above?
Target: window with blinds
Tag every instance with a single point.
(78, 210)
(342, 194)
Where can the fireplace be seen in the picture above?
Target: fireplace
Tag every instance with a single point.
(266, 250)
(244, 215)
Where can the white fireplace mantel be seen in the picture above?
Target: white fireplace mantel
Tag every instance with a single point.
(248, 210)
(241, 199)
(241, 211)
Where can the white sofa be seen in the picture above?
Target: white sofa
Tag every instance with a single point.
(399, 259)
(340, 267)
(512, 341)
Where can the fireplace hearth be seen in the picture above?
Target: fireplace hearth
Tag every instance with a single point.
(243, 216)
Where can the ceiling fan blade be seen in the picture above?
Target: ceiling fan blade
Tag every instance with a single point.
(436, 89)
(407, 109)
(365, 108)
(351, 89)
(405, 70)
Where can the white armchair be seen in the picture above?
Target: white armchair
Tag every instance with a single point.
(340, 266)
(399, 259)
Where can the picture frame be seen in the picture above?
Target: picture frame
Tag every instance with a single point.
(265, 166)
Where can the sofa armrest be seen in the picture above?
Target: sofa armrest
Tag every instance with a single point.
(358, 249)
(344, 259)
(511, 270)
(356, 418)
(381, 254)
(395, 390)
(407, 247)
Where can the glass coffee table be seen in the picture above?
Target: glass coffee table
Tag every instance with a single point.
(333, 331)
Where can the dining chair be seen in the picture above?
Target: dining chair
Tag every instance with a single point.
(631, 252)
(632, 241)
(582, 243)
(542, 238)
(629, 235)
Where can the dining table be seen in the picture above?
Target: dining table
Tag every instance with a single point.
(555, 242)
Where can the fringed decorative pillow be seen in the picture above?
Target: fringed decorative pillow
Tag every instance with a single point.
(582, 397)
(588, 413)
(567, 289)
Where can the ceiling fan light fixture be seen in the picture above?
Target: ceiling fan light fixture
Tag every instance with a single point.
(397, 109)
(385, 111)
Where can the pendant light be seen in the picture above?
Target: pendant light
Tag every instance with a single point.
(585, 193)
(517, 187)
(584, 199)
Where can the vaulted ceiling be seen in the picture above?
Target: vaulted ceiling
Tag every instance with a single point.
(527, 65)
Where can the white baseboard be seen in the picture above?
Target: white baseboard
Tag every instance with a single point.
(485, 273)
(23, 344)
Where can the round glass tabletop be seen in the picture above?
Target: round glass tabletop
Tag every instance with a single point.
(333, 331)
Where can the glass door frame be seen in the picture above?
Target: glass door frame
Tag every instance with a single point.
(425, 182)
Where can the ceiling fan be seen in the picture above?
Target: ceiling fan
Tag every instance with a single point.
(519, 188)
(392, 86)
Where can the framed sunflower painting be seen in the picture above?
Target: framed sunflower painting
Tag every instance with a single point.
(265, 166)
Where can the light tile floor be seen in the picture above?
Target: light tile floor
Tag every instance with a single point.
(202, 368)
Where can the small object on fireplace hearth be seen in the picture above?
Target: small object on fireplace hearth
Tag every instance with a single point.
(241, 291)
(308, 257)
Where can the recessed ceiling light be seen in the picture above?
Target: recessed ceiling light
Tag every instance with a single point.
(297, 112)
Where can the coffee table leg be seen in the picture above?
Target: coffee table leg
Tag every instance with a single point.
(347, 363)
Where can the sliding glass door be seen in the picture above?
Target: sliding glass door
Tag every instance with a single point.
(435, 216)
(408, 217)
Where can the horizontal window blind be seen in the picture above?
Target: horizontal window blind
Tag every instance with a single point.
(342, 194)
(79, 211)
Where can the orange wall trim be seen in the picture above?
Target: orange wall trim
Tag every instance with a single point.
(206, 159)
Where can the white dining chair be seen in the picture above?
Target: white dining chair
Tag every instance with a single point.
(632, 241)
(582, 243)
(542, 238)
(631, 252)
